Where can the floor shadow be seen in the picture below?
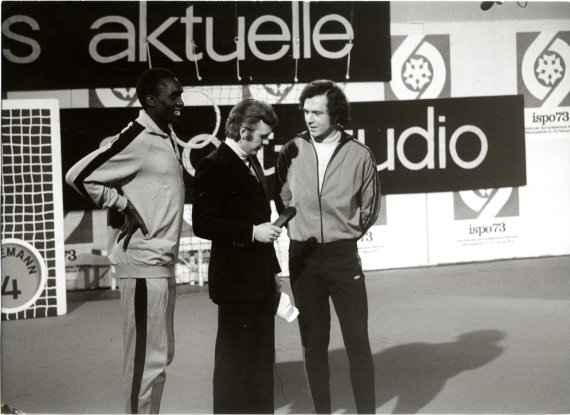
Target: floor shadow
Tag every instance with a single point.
(413, 374)
(76, 299)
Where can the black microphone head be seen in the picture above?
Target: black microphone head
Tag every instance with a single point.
(288, 213)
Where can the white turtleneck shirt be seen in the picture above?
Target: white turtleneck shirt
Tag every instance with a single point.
(325, 150)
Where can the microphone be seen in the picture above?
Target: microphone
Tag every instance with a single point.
(286, 216)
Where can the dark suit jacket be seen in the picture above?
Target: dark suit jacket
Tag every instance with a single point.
(229, 200)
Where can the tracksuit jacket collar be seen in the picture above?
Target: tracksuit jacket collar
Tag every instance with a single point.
(344, 136)
(151, 127)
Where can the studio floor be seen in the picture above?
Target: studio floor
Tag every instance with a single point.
(477, 338)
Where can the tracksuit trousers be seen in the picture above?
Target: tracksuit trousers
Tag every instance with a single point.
(148, 339)
(319, 272)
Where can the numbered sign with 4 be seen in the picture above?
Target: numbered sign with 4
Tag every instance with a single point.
(24, 275)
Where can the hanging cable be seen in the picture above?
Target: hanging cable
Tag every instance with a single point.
(296, 79)
(196, 60)
(279, 377)
(236, 40)
(348, 60)
(148, 54)
(350, 42)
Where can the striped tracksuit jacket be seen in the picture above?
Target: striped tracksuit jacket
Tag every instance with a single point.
(141, 165)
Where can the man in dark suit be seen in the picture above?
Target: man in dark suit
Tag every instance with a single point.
(232, 209)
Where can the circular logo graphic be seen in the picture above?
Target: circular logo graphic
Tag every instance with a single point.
(24, 275)
(417, 73)
(549, 69)
(544, 69)
(419, 68)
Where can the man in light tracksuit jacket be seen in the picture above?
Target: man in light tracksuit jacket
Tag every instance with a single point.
(332, 180)
(138, 177)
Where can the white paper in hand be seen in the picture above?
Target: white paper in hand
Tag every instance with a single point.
(286, 310)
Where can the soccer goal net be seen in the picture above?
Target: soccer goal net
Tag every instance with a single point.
(33, 263)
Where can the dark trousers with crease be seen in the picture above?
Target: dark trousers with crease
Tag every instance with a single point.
(319, 272)
(245, 353)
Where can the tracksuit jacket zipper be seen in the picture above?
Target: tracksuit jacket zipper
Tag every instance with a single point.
(336, 150)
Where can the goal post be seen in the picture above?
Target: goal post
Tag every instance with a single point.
(33, 252)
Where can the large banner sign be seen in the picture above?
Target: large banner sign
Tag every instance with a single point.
(108, 44)
(420, 146)
(444, 145)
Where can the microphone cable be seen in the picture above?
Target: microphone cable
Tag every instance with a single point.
(278, 375)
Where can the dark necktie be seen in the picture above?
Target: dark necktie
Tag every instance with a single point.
(249, 165)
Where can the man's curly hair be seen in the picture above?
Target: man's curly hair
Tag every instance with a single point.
(337, 104)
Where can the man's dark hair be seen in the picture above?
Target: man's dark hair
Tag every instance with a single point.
(149, 81)
(248, 113)
(337, 104)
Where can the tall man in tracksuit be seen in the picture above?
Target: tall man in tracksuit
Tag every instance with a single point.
(138, 177)
(331, 179)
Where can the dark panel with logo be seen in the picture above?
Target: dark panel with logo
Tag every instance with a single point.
(443, 145)
(65, 45)
(420, 146)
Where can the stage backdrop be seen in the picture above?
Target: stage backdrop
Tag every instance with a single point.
(496, 76)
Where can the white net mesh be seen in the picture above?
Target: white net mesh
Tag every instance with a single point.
(194, 256)
(274, 93)
(32, 208)
(232, 94)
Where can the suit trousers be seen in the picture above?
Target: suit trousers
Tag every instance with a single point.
(148, 338)
(319, 272)
(244, 357)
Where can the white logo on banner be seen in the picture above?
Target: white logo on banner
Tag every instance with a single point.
(544, 69)
(117, 97)
(418, 69)
(486, 203)
(481, 201)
